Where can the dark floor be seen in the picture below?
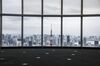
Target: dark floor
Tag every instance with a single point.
(50, 57)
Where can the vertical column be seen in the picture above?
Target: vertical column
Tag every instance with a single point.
(81, 23)
(61, 23)
(0, 23)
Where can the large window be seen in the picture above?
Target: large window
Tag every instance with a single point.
(52, 7)
(32, 6)
(91, 31)
(11, 6)
(71, 31)
(72, 7)
(50, 23)
(51, 31)
(11, 31)
(32, 31)
(91, 6)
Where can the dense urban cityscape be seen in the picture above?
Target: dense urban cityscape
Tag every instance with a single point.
(9, 40)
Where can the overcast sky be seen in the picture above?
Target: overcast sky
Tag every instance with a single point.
(33, 25)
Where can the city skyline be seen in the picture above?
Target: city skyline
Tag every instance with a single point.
(50, 40)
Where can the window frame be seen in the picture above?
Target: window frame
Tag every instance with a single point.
(22, 15)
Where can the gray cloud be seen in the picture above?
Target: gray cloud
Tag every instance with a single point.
(91, 6)
(72, 6)
(52, 7)
(32, 6)
(91, 26)
(11, 6)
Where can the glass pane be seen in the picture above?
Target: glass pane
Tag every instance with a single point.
(51, 31)
(32, 6)
(91, 6)
(32, 31)
(72, 6)
(91, 33)
(52, 7)
(12, 6)
(71, 31)
(11, 35)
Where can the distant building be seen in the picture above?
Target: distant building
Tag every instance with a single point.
(18, 42)
(30, 43)
(68, 39)
(84, 42)
(96, 43)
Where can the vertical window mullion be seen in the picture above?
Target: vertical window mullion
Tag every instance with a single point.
(81, 23)
(0, 23)
(42, 22)
(22, 22)
(61, 22)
